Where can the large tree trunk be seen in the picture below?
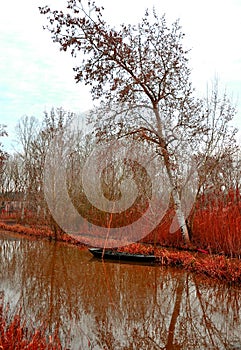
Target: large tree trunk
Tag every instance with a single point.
(180, 216)
(175, 194)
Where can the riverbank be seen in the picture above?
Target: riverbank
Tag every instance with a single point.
(192, 259)
(38, 232)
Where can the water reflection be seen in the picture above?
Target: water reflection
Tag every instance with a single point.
(117, 306)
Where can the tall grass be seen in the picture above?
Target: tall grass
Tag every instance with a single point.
(217, 223)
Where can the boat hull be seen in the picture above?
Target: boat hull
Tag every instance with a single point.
(114, 255)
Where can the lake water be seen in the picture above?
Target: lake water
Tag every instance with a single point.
(111, 305)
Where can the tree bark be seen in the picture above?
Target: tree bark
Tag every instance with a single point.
(175, 194)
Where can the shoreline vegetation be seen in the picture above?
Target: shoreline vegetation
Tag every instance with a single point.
(16, 335)
(214, 254)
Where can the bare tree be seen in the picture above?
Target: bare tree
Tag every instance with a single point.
(34, 139)
(218, 148)
(26, 130)
(142, 65)
(3, 154)
(53, 123)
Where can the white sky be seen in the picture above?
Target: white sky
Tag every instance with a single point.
(35, 75)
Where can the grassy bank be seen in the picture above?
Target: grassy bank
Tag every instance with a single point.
(218, 267)
(37, 232)
(194, 260)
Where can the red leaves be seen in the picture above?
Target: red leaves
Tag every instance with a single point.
(143, 56)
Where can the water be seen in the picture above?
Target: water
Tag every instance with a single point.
(116, 306)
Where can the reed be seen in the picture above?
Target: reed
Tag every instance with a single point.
(16, 335)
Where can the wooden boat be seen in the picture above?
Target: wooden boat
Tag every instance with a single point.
(115, 255)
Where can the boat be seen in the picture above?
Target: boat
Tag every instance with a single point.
(123, 256)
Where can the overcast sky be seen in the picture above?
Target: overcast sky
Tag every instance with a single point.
(35, 75)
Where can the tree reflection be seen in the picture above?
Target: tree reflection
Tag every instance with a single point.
(105, 305)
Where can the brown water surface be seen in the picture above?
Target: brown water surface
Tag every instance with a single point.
(112, 305)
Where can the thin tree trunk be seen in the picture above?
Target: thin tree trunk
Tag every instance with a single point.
(23, 206)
